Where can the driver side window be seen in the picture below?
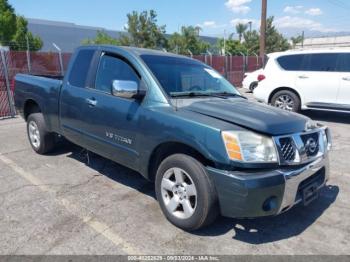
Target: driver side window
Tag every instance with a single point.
(112, 68)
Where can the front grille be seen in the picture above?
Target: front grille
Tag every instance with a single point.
(299, 148)
(288, 148)
(311, 144)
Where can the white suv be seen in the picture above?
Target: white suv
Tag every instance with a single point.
(298, 80)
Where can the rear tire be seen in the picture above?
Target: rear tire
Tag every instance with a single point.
(185, 193)
(40, 139)
(286, 100)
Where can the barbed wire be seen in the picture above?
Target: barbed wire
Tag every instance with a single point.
(14, 41)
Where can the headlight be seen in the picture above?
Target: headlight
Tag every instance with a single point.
(246, 146)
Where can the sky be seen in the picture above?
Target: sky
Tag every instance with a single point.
(321, 17)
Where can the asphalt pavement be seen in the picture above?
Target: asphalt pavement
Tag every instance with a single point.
(61, 204)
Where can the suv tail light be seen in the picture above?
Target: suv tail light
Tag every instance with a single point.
(261, 77)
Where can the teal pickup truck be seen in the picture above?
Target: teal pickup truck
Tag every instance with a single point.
(180, 124)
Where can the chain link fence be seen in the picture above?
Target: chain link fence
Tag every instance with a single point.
(34, 63)
(6, 93)
(55, 64)
(233, 68)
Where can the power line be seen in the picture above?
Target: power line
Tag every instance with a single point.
(339, 3)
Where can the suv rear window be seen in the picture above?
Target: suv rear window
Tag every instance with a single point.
(322, 62)
(291, 62)
(344, 62)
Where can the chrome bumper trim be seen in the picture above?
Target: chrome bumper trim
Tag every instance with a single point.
(293, 179)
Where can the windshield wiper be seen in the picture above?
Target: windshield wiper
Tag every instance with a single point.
(189, 94)
(223, 95)
(227, 94)
(198, 94)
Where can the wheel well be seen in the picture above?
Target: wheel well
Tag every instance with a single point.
(283, 88)
(30, 107)
(170, 148)
(254, 83)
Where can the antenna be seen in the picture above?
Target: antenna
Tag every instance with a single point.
(60, 57)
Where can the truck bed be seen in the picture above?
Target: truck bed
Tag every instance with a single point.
(44, 91)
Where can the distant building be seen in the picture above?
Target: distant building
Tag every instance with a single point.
(69, 36)
(325, 42)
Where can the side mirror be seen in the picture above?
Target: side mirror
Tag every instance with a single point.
(126, 89)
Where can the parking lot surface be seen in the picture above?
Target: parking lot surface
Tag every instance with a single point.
(64, 204)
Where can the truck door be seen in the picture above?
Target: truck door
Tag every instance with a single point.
(73, 97)
(112, 122)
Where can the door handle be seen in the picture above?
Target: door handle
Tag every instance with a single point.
(346, 78)
(303, 77)
(91, 102)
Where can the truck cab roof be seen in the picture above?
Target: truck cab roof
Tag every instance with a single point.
(134, 50)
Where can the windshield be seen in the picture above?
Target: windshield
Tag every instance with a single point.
(182, 76)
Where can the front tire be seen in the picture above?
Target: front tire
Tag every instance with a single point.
(286, 100)
(40, 139)
(185, 193)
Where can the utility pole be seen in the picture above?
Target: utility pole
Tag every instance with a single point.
(28, 55)
(302, 39)
(263, 28)
(250, 26)
(224, 51)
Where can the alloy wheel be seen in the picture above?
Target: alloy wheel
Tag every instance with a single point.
(34, 134)
(285, 102)
(179, 193)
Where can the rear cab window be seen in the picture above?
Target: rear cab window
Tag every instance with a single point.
(80, 69)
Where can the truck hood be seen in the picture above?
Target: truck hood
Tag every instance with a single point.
(254, 116)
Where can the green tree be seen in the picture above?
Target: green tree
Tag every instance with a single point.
(22, 36)
(143, 31)
(102, 38)
(7, 22)
(14, 30)
(176, 43)
(231, 46)
(251, 41)
(240, 29)
(275, 41)
(296, 40)
(198, 29)
(187, 41)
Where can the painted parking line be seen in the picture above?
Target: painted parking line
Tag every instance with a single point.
(99, 227)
